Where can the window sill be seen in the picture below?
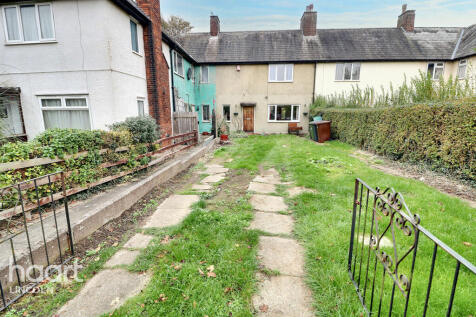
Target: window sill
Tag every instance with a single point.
(182, 76)
(31, 43)
(283, 81)
(205, 121)
(284, 121)
(346, 81)
(137, 53)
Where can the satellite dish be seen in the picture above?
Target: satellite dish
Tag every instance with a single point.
(189, 73)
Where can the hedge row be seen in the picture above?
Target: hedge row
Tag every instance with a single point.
(442, 137)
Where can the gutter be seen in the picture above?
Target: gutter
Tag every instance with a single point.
(172, 78)
(314, 84)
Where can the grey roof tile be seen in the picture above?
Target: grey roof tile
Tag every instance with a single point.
(328, 45)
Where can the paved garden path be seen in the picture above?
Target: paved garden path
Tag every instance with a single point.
(111, 287)
(282, 291)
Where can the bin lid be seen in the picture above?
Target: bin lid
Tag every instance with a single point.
(319, 122)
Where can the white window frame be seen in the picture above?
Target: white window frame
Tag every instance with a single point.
(209, 113)
(20, 24)
(208, 74)
(462, 63)
(292, 113)
(63, 105)
(143, 103)
(176, 55)
(137, 36)
(270, 70)
(223, 109)
(193, 73)
(351, 71)
(442, 66)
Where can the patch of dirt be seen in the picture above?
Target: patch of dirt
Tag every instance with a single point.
(234, 186)
(443, 183)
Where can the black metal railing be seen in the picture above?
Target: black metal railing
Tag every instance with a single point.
(36, 238)
(394, 262)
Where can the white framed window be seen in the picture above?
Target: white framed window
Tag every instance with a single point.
(286, 113)
(134, 37)
(29, 23)
(462, 68)
(347, 71)
(435, 70)
(65, 112)
(205, 113)
(227, 113)
(178, 64)
(280, 73)
(204, 74)
(140, 107)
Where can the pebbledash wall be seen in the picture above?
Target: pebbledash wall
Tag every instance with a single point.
(91, 56)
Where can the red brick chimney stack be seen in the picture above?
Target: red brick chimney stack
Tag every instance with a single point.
(406, 20)
(214, 25)
(309, 21)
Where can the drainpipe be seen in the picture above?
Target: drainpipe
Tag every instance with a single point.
(172, 79)
(314, 85)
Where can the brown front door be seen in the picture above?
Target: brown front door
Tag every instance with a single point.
(248, 119)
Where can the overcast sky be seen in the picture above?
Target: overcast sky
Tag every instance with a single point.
(236, 15)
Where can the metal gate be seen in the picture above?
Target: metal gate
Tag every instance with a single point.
(34, 244)
(390, 251)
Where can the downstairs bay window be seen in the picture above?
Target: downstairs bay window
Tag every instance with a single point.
(65, 112)
(283, 113)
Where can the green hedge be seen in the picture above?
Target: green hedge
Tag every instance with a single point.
(442, 137)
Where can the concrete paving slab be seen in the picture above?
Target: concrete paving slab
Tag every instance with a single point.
(282, 254)
(214, 170)
(271, 172)
(272, 223)
(214, 178)
(179, 202)
(268, 203)
(262, 188)
(122, 257)
(139, 241)
(213, 165)
(163, 218)
(106, 291)
(269, 179)
(203, 187)
(294, 191)
(285, 296)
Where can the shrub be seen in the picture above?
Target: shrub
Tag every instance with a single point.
(442, 137)
(143, 129)
(421, 89)
(58, 142)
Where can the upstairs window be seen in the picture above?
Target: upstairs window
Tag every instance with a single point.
(462, 68)
(347, 71)
(178, 64)
(134, 37)
(29, 23)
(435, 70)
(204, 74)
(281, 73)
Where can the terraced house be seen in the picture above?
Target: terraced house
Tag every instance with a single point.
(80, 64)
(267, 79)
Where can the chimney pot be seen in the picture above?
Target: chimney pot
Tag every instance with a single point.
(406, 19)
(214, 25)
(309, 21)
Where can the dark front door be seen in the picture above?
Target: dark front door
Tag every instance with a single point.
(248, 119)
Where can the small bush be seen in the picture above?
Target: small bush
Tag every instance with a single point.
(442, 137)
(58, 142)
(143, 129)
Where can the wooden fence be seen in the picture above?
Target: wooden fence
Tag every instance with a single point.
(185, 122)
(172, 145)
